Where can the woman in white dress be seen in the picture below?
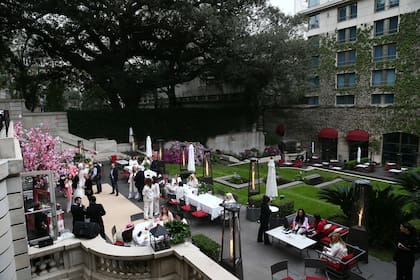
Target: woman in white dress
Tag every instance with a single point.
(148, 199)
(83, 171)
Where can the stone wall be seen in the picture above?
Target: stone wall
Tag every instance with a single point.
(16, 107)
(55, 121)
(14, 259)
(303, 123)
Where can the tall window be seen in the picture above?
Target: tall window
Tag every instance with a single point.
(384, 52)
(314, 41)
(346, 80)
(346, 58)
(345, 99)
(384, 77)
(386, 26)
(382, 99)
(313, 3)
(312, 100)
(346, 35)
(381, 5)
(347, 12)
(314, 82)
(315, 61)
(314, 22)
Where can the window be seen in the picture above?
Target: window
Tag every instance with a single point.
(346, 80)
(314, 82)
(315, 61)
(312, 100)
(382, 99)
(384, 52)
(346, 58)
(314, 22)
(346, 35)
(381, 5)
(313, 3)
(385, 77)
(386, 26)
(347, 12)
(345, 99)
(314, 41)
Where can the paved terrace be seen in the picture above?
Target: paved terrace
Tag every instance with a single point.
(257, 257)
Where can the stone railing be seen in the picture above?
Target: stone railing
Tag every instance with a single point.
(96, 259)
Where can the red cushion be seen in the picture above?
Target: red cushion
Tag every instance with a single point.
(314, 278)
(348, 257)
(326, 240)
(186, 207)
(343, 231)
(173, 202)
(119, 243)
(199, 214)
(330, 229)
(287, 278)
(334, 265)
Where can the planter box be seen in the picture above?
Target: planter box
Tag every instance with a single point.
(253, 214)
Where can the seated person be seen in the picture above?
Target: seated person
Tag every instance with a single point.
(127, 235)
(337, 247)
(228, 198)
(318, 229)
(192, 181)
(176, 180)
(146, 163)
(301, 222)
(180, 217)
(41, 221)
(165, 215)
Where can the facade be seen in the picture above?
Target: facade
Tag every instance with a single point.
(363, 90)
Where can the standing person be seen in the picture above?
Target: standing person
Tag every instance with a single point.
(139, 183)
(156, 195)
(78, 211)
(264, 220)
(69, 191)
(88, 186)
(301, 222)
(97, 176)
(113, 175)
(95, 212)
(131, 184)
(407, 245)
(148, 199)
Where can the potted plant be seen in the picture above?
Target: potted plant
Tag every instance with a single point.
(178, 231)
(253, 210)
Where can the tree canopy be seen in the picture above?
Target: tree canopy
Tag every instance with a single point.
(131, 48)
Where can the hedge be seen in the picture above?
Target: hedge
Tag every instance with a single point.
(207, 246)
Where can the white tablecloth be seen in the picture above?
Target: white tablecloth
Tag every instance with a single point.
(206, 202)
(144, 227)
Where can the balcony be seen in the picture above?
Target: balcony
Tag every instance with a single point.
(95, 259)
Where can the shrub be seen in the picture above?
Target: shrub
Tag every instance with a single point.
(207, 246)
(178, 231)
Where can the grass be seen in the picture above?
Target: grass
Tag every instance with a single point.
(303, 195)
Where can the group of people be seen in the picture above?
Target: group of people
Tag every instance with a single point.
(93, 212)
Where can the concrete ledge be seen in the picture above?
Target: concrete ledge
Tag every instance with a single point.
(106, 146)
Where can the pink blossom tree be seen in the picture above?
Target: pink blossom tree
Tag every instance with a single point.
(41, 151)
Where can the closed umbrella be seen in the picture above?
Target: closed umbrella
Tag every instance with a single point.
(191, 159)
(148, 147)
(359, 154)
(271, 186)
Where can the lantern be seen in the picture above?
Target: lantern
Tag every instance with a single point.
(254, 177)
(231, 255)
(159, 238)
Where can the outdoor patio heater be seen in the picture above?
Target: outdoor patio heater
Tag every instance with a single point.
(358, 234)
(182, 158)
(231, 254)
(254, 177)
(80, 146)
(160, 161)
(207, 168)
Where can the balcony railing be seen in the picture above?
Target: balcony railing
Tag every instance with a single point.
(96, 259)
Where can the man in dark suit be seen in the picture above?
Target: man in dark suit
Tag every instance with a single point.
(78, 211)
(139, 182)
(113, 175)
(95, 212)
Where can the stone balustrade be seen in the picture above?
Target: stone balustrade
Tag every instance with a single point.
(95, 259)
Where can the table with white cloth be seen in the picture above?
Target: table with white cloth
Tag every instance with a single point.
(298, 241)
(206, 202)
(144, 238)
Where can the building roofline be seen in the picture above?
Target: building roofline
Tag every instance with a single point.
(322, 7)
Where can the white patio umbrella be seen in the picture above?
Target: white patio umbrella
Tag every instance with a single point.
(148, 147)
(271, 186)
(130, 135)
(191, 159)
(359, 154)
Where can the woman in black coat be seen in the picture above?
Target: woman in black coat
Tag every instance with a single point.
(407, 245)
(264, 220)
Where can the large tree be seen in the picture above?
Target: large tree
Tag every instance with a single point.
(128, 48)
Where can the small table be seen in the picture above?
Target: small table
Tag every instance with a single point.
(298, 241)
(122, 162)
